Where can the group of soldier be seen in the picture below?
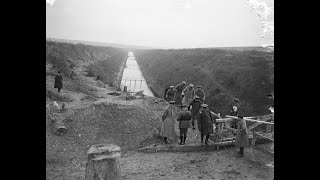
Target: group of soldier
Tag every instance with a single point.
(183, 94)
(194, 109)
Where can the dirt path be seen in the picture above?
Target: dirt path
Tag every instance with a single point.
(195, 165)
(221, 164)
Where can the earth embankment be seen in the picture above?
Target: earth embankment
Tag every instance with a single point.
(223, 73)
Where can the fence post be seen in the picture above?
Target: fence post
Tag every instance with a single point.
(103, 162)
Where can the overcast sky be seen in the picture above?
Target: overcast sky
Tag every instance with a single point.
(165, 23)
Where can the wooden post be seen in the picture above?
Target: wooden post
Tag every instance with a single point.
(60, 128)
(103, 162)
(218, 138)
(253, 143)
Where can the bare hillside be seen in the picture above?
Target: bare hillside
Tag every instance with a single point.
(93, 116)
(224, 73)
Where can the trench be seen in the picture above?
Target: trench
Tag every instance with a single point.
(132, 77)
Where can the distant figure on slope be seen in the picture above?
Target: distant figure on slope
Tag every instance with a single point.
(236, 102)
(242, 139)
(199, 92)
(167, 129)
(195, 109)
(58, 81)
(180, 87)
(170, 94)
(234, 112)
(165, 93)
(206, 123)
(184, 123)
(188, 94)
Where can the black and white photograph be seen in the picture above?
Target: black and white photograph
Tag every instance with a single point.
(159, 90)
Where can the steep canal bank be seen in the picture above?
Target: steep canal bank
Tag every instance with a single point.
(132, 77)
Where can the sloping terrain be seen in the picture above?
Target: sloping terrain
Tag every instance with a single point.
(224, 73)
(92, 116)
(97, 61)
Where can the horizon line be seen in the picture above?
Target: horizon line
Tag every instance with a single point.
(156, 47)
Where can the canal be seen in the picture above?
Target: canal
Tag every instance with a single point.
(132, 77)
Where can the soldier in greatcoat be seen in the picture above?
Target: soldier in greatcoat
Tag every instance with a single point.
(242, 138)
(188, 94)
(165, 93)
(199, 92)
(167, 129)
(195, 109)
(170, 94)
(206, 123)
(58, 81)
(180, 87)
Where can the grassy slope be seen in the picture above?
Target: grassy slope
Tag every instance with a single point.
(223, 73)
(106, 60)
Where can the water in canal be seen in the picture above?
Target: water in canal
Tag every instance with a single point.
(132, 77)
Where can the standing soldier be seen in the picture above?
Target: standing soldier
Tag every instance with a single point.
(165, 93)
(234, 112)
(188, 94)
(179, 89)
(206, 124)
(236, 102)
(199, 92)
(58, 81)
(184, 123)
(167, 129)
(170, 94)
(195, 108)
(242, 139)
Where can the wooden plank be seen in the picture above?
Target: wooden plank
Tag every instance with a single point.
(223, 120)
(261, 135)
(249, 117)
(254, 125)
(263, 122)
(230, 129)
(252, 120)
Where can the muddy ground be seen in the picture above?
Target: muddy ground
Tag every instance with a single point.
(101, 118)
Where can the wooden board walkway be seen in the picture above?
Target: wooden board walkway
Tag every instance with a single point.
(175, 147)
